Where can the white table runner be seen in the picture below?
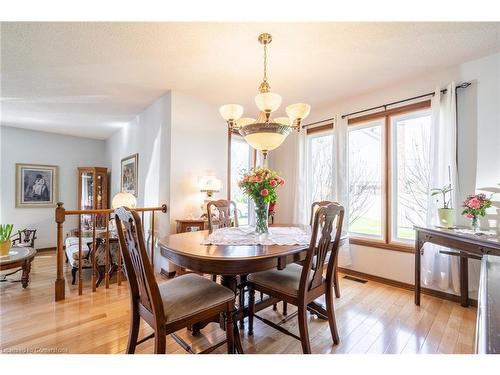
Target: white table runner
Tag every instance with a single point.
(246, 236)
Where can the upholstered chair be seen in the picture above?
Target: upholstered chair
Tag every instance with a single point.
(173, 305)
(301, 285)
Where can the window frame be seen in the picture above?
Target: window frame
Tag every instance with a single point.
(387, 242)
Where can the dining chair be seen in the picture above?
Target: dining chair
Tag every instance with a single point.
(300, 285)
(222, 209)
(170, 306)
(224, 219)
(314, 208)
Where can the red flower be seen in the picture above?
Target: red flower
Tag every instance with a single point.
(258, 179)
(264, 192)
(273, 183)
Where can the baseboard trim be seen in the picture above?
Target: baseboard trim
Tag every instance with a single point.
(402, 285)
(43, 249)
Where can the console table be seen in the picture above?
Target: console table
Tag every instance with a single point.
(465, 245)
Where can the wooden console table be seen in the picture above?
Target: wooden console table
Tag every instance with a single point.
(464, 244)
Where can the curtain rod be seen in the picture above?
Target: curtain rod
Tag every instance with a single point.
(443, 91)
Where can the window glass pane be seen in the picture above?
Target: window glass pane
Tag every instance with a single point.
(411, 172)
(241, 161)
(365, 178)
(320, 167)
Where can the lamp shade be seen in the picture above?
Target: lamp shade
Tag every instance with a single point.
(265, 141)
(283, 121)
(268, 101)
(298, 111)
(244, 121)
(124, 200)
(231, 111)
(209, 184)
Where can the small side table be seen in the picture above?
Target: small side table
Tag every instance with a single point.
(191, 225)
(19, 257)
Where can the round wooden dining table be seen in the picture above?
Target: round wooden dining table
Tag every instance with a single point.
(229, 261)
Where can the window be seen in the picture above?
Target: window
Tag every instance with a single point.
(320, 179)
(388, 173)
(241, 160)
(365, 145)
(410, 180)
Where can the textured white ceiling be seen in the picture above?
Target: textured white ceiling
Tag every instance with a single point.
(88, 79)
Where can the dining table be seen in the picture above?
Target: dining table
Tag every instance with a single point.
(232, 261)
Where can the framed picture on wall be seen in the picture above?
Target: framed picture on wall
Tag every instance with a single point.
(36, 185)
(129, 174)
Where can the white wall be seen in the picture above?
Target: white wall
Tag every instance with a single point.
(149, 136)
(199, 146)
(27, 146)
(479, 148)
(178, 138)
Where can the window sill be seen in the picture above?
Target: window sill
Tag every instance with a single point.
(382, 245)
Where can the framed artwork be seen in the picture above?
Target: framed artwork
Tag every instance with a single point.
(36, 185)
(129, 174)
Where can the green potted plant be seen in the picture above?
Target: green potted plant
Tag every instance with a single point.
(5, 242)
(446, 213)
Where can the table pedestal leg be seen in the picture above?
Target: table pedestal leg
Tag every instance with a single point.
(26, 273)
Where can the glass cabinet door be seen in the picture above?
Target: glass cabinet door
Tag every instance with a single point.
(87, 181)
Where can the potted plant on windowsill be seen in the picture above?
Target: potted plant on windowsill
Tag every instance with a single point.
(446, 213)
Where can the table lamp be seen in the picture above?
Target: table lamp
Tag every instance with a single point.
(208, 184)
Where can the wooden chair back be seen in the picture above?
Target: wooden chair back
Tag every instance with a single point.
(223, 209)
(26, 237)
(143, 287)
(327, 219)
(315, 206)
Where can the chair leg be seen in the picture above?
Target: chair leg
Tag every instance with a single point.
(251, 308)
(73, 275)
(243, 282)
(304, 333)
(336, 281)
(230, 329)
(331, 316)
(160, 340)
(214, 278)
(135, 322)
(285, 308)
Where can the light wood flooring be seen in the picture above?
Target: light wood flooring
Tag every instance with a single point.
(371, 318)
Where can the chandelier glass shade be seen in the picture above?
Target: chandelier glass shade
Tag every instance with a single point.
(265, 133)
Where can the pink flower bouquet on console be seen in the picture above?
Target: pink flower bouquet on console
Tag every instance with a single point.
(475, 206)
(260, 184)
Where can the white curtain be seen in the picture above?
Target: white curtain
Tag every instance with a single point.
(341, 182)
(439, 270)
(300, 207)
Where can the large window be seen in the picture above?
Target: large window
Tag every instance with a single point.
(320, 178)
(388, 173)
(241, 160)
(410, 180)
(365, 145)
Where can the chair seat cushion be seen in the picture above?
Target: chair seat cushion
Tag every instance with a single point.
(190, 294)
(285, 281)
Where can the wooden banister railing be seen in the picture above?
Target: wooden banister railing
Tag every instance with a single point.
(60, 218)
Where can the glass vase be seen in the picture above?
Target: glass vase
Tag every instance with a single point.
(475, 224)
(261, 217)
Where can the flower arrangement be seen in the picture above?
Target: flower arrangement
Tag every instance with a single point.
(260, 184)
(475, 206)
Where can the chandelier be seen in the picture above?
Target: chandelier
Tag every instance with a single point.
(265, 133)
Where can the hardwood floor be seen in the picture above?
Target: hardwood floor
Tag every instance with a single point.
(371, 318)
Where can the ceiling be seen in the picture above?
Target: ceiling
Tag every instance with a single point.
(88, 79)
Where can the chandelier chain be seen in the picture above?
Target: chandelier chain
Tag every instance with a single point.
(265, 62)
